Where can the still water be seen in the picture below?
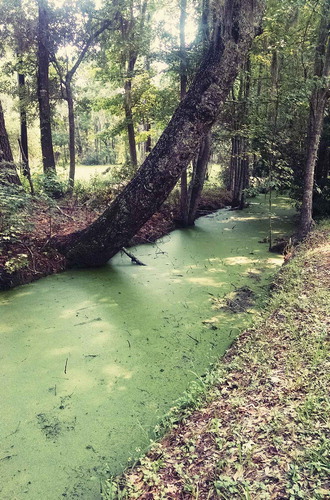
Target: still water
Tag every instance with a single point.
(91, 359)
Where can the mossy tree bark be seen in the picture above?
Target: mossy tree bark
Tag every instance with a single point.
(237, 23)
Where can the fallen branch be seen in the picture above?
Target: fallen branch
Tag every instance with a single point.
(132, 257)
(63, 213)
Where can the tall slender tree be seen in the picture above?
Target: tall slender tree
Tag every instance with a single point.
(66, 76)
(318, 100)
(132, 28)
(48, 158)
(239, 160)
(201, 161)
(183, 91)
(8, 172)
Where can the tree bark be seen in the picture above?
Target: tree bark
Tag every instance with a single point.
(200, 163)
(8, 172)
(23, 140)
(23, 123)
(316, 115)
(72, 133)
(43, 91)
(238, 23)
(129, 121)
(323, 161)
(239, 162)
(197, 181)
(131, 31)
(184, 208)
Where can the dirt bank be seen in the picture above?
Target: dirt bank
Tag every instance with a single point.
(30, 255)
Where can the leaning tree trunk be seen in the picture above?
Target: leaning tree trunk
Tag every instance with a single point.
(142, 197)
(316, 114)
(48, 159)
(8, 172)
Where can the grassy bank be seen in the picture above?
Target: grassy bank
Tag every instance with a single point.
(260, 428)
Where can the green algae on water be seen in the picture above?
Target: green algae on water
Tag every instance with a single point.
(92, 359)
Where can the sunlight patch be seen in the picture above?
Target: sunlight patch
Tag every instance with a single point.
(100, 338)
(275, 261)
(206, 282)
(60, 351)
(117, 372)
(78, 379)
(239, 260)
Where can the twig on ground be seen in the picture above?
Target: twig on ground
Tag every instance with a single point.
(63, 213)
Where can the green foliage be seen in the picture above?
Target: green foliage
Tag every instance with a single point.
(14, 212)
(49, 185)
(17, 262)
(102, 157)
(97, 192)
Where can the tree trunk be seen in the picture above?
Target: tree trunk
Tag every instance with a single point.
(240, 173)
(23, 124)
(22, 97)
(8, 172)
(183, 91)
(147, 146)
(79, 141)
(129, 111)
(130, 123)
(23, 140)
(238, 23)
(200, 163)
(239, 163)
(197, 181)
(43, 91)
(323, 161)
(316, 114)
(72, 145)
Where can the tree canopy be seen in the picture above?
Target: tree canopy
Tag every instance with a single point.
(122, 68)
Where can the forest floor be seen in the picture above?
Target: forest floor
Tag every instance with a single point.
(26, 252)
(259, 426)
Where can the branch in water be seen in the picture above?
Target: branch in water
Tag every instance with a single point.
(132, 257)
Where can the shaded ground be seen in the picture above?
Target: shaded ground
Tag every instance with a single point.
(28, 255)
(260, 427)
